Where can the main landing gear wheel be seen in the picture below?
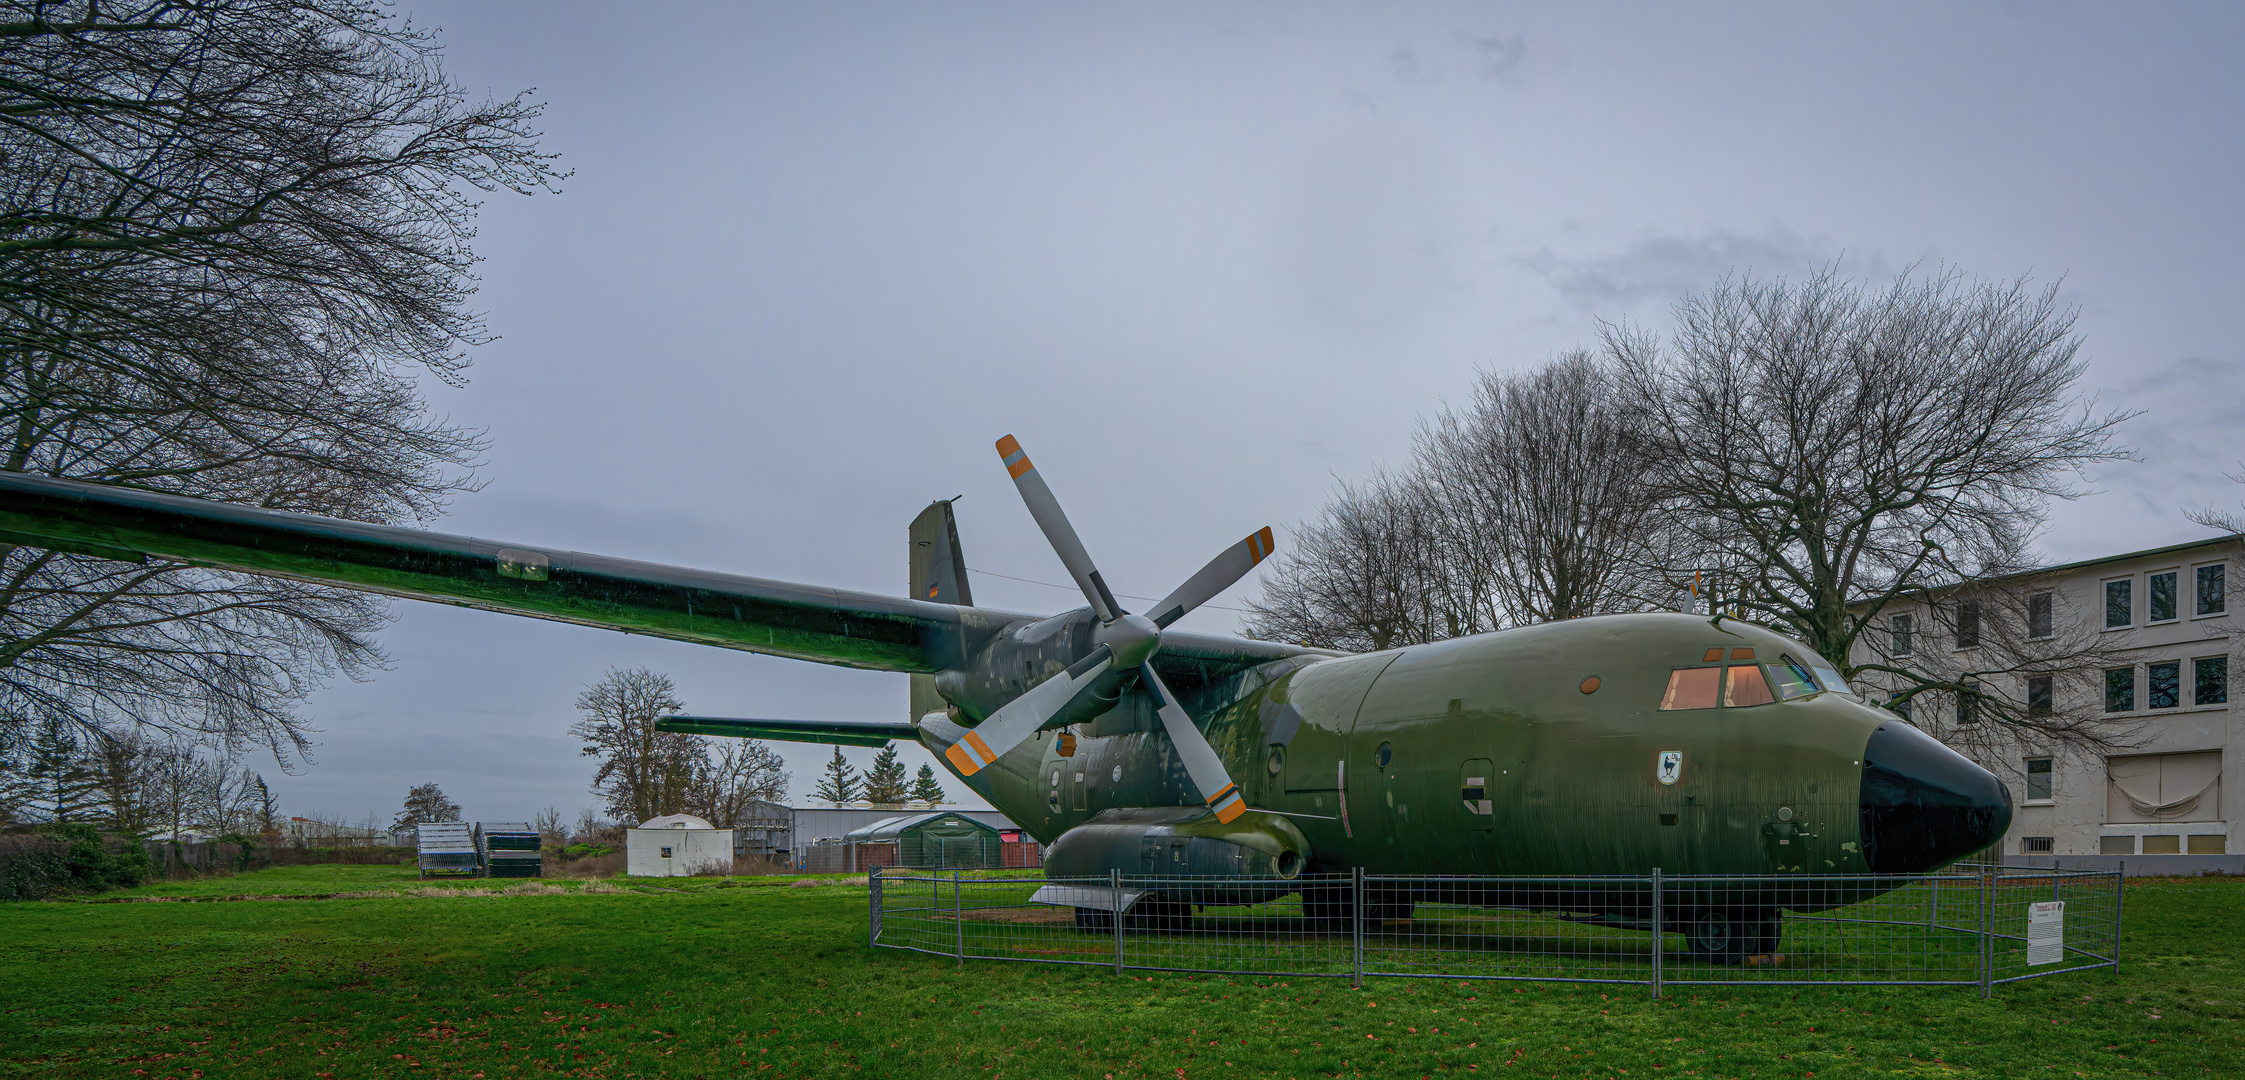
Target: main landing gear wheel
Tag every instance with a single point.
(1730, 935)
(1094, 919)
(1155, 913)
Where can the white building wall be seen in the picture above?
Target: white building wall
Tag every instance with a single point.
(689, 852)
(2076, 817)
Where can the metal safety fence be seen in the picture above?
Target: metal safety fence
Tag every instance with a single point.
(1967, 926)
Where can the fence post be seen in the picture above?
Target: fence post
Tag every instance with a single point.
(959, 918)
(1357, 904)
(873, 907)
(1114, 881)
(1933, 902)
(1987, 931)
(2119, 894)
(1657, 938)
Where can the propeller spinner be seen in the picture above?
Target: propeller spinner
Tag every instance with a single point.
(1123, 641)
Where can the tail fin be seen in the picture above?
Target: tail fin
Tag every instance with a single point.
(939, 574)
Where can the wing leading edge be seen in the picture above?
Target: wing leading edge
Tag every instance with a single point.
(803, 622)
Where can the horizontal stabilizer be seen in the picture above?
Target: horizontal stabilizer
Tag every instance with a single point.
(844, 732)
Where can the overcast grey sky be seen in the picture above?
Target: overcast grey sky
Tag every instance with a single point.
(1203, 259)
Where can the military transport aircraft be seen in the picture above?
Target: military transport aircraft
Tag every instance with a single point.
(1598, 746)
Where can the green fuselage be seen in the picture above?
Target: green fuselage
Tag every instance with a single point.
(1572, 780)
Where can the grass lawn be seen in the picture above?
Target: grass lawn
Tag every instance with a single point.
(755, 977)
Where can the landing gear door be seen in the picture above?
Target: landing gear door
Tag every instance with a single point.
(1476, 778)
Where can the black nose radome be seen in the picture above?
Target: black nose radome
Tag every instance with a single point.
(1924, 805)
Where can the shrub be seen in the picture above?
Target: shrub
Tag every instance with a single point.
(70, 857)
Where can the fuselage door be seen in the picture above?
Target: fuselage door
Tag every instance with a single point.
(1475, 779)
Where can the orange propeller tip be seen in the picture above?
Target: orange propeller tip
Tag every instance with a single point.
(1008, 446)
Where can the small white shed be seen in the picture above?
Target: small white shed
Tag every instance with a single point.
(677, 845)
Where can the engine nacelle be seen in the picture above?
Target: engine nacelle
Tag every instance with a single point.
(1188, 843)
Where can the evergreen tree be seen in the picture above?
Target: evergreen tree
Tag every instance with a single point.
(63, 785)
(884, 783)
(840, 784)
(925, 788)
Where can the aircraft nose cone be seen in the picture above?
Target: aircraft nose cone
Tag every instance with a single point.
(1925, 805)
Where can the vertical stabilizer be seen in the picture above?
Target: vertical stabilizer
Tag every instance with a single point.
(939, 574)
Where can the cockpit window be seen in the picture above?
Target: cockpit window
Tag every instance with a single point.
(1831, 679)
(1746, 686)
(1790, 679)
(1692, 688)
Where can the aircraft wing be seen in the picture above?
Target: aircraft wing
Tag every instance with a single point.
(804, 622)
(844, 732)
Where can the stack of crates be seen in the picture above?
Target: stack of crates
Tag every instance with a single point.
(510, 849)
(449, 848)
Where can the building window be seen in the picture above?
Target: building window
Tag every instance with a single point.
(2035, 845)
(2116, 845)
(2163, 845)
(2159, 598)
(2038, 779)
(2210, 680)
(1968, 702)
(1968, 623)
(2164, 787)
(2211, 598)
(2038, 615)
(2207, 844)
(2120, 689)
(2120, 602)
(1900, 624)
(2038, 696)
(2163, 684)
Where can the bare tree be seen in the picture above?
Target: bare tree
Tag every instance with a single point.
(424, 802)
(1543, 505)
(1368, 574)
(644, 773)
(551, 832)
(235, 233)
(127, 764)
(1837, 447)
(738, 773)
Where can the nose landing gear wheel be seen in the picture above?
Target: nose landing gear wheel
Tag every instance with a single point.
(1728, 936)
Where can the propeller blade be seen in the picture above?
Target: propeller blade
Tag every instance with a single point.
(989, 740)
(1062, 535)
(1214, 578)
(1201, 763)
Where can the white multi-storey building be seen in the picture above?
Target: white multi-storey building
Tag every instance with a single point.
(2134, 647)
